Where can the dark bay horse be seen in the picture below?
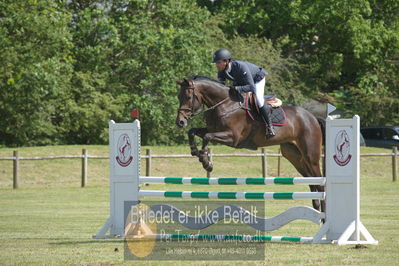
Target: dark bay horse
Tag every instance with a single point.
(227, 123)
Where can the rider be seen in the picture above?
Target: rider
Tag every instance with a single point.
(246, 77)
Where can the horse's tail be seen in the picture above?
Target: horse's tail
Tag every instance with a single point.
(322, 123)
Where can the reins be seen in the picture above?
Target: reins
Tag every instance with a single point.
(211, 108)
(191, 109)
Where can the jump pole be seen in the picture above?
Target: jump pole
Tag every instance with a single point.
(343, 225)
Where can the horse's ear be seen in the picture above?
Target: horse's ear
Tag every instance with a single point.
(183, 83)
(190, 83)
(186, 81)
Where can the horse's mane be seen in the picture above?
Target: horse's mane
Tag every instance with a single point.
(204, 78)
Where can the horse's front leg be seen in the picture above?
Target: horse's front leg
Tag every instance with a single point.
(200, 132)
(223, 137)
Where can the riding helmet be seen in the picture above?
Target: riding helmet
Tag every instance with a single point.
(221, 54)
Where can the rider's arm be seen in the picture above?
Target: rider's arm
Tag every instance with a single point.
(221, 77)
(245, 77)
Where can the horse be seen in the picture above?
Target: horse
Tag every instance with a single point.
(227, 123)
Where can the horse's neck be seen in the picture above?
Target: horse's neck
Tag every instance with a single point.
(213, 94)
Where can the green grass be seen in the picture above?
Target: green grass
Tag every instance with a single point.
(50, 219)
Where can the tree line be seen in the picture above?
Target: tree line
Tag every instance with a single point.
(69, 66)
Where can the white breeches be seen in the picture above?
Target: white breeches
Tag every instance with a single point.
(259, 92)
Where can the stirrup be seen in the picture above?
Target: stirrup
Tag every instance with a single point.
(270, 131)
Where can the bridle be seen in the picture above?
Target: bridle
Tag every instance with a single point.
(191, 108)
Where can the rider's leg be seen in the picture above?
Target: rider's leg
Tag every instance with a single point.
(260, 89)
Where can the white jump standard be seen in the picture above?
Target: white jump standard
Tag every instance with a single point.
(342, 217)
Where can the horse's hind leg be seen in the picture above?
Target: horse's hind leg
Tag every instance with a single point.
(292, 153)
(310, 148)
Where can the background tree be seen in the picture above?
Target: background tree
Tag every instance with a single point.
(69, 66)
(35, 70)
(345, 48)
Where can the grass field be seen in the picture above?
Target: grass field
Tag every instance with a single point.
(51, 220)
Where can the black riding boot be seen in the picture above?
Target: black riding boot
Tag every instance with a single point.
(269, 126)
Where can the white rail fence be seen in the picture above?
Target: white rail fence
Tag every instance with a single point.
(16, 158)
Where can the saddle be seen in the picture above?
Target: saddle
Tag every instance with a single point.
(248, 103)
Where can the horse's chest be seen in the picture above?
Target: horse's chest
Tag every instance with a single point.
(214, 122)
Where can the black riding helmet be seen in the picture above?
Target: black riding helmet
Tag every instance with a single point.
(221, 54)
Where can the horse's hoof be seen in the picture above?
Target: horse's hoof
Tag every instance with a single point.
(208, 167)
(194, 153)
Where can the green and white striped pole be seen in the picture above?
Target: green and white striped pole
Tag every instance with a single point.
(230, 195)
(241, 238)
(234, 181)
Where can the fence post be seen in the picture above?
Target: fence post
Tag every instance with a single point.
(15, 184)
(208, 174)
(264, 163)
(84, 167)
(148, 163)
(394, 162)
(278, 163)
(323, 161)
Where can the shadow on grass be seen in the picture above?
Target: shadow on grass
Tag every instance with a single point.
(65, 242)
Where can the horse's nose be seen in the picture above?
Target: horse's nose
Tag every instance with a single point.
(181, 122)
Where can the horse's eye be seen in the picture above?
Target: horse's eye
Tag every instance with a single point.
(189, 97)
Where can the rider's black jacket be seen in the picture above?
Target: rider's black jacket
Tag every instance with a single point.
(243, 74)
